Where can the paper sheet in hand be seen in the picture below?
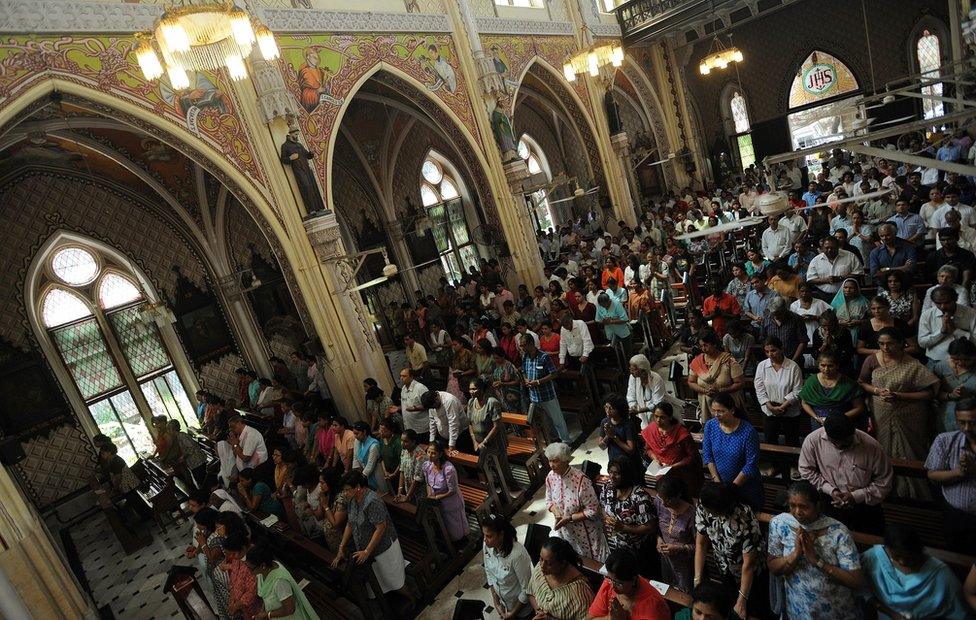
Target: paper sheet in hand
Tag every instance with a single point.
(655, 469)
(662, 588)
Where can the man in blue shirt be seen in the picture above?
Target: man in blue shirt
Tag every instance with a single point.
(910, 226)
(616, 324)
(894, 254)
(539, 373)
(810, 196)
(757, 300)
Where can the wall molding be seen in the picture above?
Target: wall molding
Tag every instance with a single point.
(605, 30)
(310, 20)
(499, 25)
(55, 16)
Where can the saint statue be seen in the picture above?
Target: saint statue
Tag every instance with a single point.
(613, 113)
(504, 134)
(294, 154)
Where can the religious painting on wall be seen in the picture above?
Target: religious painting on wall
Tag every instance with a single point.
(200, 322)
(820, 77)
(30, 399)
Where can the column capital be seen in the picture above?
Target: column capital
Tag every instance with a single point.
(324, 235)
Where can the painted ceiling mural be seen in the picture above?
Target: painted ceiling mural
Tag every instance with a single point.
(107, 64)
(511, 55)
(322, 69)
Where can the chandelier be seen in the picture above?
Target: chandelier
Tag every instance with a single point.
(719, 57)
(202, 35)
(593, 59)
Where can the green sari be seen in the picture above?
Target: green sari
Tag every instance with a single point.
(837, 399)
(271, 593)
(850, 309)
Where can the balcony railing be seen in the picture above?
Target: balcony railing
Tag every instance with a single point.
(641, 20)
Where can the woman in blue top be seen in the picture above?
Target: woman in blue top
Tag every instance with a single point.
(366, 456)
(257, 495)
(906, 583)
(730, 449)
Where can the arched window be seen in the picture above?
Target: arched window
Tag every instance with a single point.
(535, 160)
(440, 193)
(95, 314)
(737, 114)
(928, 53)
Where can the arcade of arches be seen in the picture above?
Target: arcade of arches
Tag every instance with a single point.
(194, 257)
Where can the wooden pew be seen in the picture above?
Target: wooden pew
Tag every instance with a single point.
(526, 446)
(158, 490)
(592, 568)
(130, 539)
(492, 479)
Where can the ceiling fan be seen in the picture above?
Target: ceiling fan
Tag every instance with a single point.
(579, 192)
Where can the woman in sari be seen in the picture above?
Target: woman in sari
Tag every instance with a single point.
(755, 263)
(486, 427)
(667, 443)
(867, 343)
(714, 371)
(483, 357)
(506, 381)
(280, 593)
(901, 389)
(507, 342)
(851, 307)
(904, 582)
(549, 343)
(584, 310)
(958, 381)
(829, 392)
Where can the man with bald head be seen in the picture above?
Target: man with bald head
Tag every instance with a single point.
(894, 254)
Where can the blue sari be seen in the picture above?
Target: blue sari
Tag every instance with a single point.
(931, 592)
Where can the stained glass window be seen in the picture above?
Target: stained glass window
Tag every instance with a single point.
(74, 266)
(87, 358)
(928, 52)
(440, 192)
(530, 151)
(140, 342)
(61, 306)
(100, 361)
(115, 290)
(533, 164)
(740, 115)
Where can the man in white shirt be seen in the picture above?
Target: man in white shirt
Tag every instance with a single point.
(572, 268)
(832, 266)
(966, 212)
(248, 444)
(947, 321)
(415, 416)
(748, 197)
(795, 223)
(448, 420)
(778, 383)
(575, 343)
(966, 234)
(776, 240)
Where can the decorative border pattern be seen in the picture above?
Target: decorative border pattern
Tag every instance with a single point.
(292, 20)
(606, 30)
(49, 16)
(500, 25)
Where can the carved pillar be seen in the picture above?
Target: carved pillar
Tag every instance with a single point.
(621, 147)
(34, 576)
(398, 239)
(484, 85)
(274, 99)
(255, 350)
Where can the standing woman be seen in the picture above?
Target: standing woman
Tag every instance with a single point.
(508, 568)
(618, 435)
(486, 427)
(714, 372)
(851, 308)
(831, 338)
(377, 404)
(730, 450)
(905, 304)
(210, 554)
(728, 531)
(573, 503)
(585, 310)
(442, 485)
(829, 392)
(881, 318)
(809, 308)
(901, 390)
(483, 357)
(558, 590)
(676, 532)
(412, 459)
(506, 382)
(390, 450)
(738, 286)
(280, 594)
(628, 515)
(366, 456)
(816, 557)
(645, 388)
(667, 443)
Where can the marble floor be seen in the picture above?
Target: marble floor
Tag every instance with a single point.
(130, 585)
(470, 583)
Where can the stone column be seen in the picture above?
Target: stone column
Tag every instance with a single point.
(403, 259)
(621, 147)
(34, 575)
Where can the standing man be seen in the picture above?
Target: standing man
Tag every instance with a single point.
(575, 343)
(911, 227)
(416, 356)
(415, 416)
(776, 240)
(943, 323)
(893, 254)
(539, 374)
(951, 464)
(831, 267)
(851, 468)
(248, 445)
(448, 419)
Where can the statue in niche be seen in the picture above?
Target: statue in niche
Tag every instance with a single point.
(613, 113)
(294, 154)
(501, 127)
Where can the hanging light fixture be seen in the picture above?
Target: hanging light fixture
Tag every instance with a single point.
(719, 57)
(592, 59)
(202, 35)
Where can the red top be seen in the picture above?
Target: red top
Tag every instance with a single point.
(727, 303)
(669, 448)
(649, 604)
(617, 274)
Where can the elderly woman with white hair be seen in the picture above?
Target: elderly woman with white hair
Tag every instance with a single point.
(645, 389)
(947, 275)
(573, 502)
